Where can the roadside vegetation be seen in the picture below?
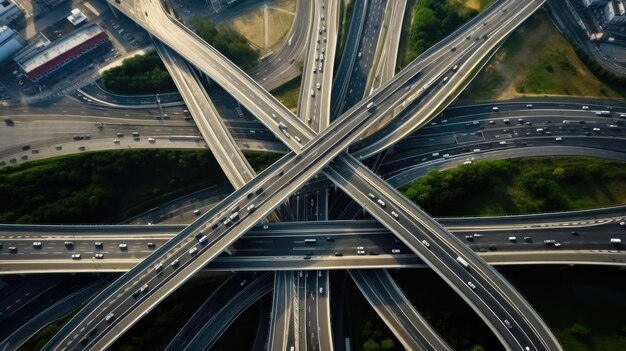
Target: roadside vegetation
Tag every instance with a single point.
(141, 74)
(573, 301)
(519, 186)
(260, 160)
(583, 305)
(536, 60)
(289, 93)
(346, 9)
(369, 332)
(446, 311)
(227, 41)
(155, 330)
(41, 338)
(108, 186)
(433, 20)
(102, 187)
(603, 74)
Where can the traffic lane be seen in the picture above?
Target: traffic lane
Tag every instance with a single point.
(593, 234)
(57, 249)
(496, 27)
(392, 310)
(507, 120)
(153, 299)
(241, 296)
(473, 151)
(22, 310)
(485, 298)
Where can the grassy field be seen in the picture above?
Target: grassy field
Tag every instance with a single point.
(519, 186)
(252, 25)
(536, 60)
(289, 93)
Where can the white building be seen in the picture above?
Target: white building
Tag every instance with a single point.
(9, 11)
(10, 43)
(615, 12)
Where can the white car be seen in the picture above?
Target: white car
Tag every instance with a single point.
(467, 162)
(193, 251)
(99, 255)
(395, 250)
(360, 252)
(123, 246)
(395, 214)
(425, 243)
(471, 285)
(76, 256)
(37, 244)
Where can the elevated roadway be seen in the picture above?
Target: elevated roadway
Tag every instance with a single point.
(348, 57)
(395, 309)
(386, 57)
(230, 308)
(282, 65)
(479, 284)
(189, 266)
(282, 335)
(214, 131)
(284, 242)
(317, 76)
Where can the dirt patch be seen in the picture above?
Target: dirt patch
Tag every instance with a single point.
(536, 60)
(472, 4)
(279, 16)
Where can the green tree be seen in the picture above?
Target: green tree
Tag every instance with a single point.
(141, 74)
(578, 330)
(230, 43)
(558, 173)
(387, 345)
(371, 345)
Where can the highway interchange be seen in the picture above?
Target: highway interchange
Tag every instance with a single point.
(415, 93)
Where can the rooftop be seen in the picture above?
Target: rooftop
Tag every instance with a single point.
(55, 49)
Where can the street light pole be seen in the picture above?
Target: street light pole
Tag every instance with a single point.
(158, 100)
